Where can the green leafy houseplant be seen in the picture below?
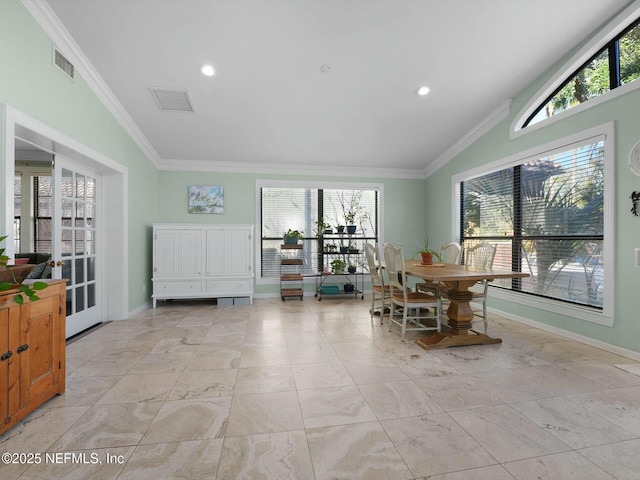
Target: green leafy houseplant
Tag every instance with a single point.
(323, 227)
(28, 290)
(427, 253)
(292, 236)
(337, 266)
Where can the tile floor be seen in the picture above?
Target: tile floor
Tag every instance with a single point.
(313, 390)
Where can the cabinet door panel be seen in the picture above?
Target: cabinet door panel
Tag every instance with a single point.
(177, 253)
(165, 253)
(216, 251)
(38, 364)
(239, 260)
(9, 373)
(189, 258)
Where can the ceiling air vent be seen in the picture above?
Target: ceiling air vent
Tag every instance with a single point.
(172, 100)
(63, 64)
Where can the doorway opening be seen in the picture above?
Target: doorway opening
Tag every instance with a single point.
(97, 256)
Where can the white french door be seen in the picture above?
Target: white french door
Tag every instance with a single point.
(74, 246)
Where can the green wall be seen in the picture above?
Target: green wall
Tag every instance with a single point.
(30, 84)
(404, 219)
(496, 144)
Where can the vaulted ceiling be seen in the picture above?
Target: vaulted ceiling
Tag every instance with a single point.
(305, 83)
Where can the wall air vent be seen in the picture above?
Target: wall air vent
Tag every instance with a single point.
(172, 100)
(63, 64)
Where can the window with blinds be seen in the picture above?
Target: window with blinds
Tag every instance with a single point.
(298, 208)
(546, 217)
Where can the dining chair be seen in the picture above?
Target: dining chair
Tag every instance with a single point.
(379, 291)
(415, 305)
(480, 255)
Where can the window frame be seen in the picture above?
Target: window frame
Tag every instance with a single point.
(617, 27)
(603, 132)
(259, 184)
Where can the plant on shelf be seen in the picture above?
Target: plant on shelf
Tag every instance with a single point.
(323, 227)
(427, 253)
(337, 266)
(291, 237)
(350, 219)
(352, 268)
(352, 248)
(330, 248)
(8, 280)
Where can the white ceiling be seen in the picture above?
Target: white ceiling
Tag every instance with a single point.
(269, 105)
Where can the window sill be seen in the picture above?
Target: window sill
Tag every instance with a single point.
(560, 308)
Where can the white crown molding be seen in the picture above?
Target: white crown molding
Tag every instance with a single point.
(287, 169)
(51, 24)
(490, 121)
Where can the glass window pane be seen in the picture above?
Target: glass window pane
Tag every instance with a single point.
(80, 186)
(589, 82)
(79, 250)
(66, 271)
(629, 47)
(91, 189)
(79, 299)
(69, 309)
(91, 269)
(557, 224)
(66, 183)
(79, 270)
(91, 295)
(301, 209)
(67, 208)
(17, 195)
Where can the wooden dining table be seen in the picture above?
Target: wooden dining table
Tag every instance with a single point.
(458, 279)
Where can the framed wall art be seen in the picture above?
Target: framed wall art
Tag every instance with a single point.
(206, 199)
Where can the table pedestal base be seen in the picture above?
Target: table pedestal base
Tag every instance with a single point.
(442, 340)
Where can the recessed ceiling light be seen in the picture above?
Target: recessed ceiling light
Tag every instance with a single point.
(207, 70)
(422, 91)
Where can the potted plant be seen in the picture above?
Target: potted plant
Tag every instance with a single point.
(340, 228)
(330, 248)
(11, 277)
(427, 253)
(291, 237)
(351, 268)
(337, 266)
(352, 248)
(323, 227)
(350, 219)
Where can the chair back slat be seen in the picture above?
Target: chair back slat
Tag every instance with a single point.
(374, 269)
(450, 253)
(480, 255)
(394, 260)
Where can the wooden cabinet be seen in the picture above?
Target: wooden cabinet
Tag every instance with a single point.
(202, 261)
(32, 352)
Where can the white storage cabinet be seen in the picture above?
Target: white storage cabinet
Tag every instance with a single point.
(202, 261)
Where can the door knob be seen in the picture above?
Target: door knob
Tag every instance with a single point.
(60, 263)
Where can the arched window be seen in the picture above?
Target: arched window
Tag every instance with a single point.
(616, 64)
(610, 60)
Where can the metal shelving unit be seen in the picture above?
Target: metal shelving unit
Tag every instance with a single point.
(291, 279)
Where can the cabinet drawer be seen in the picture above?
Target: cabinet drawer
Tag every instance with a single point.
(177, 288)
(230, 286)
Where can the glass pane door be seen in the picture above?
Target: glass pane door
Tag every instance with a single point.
(75, 258)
